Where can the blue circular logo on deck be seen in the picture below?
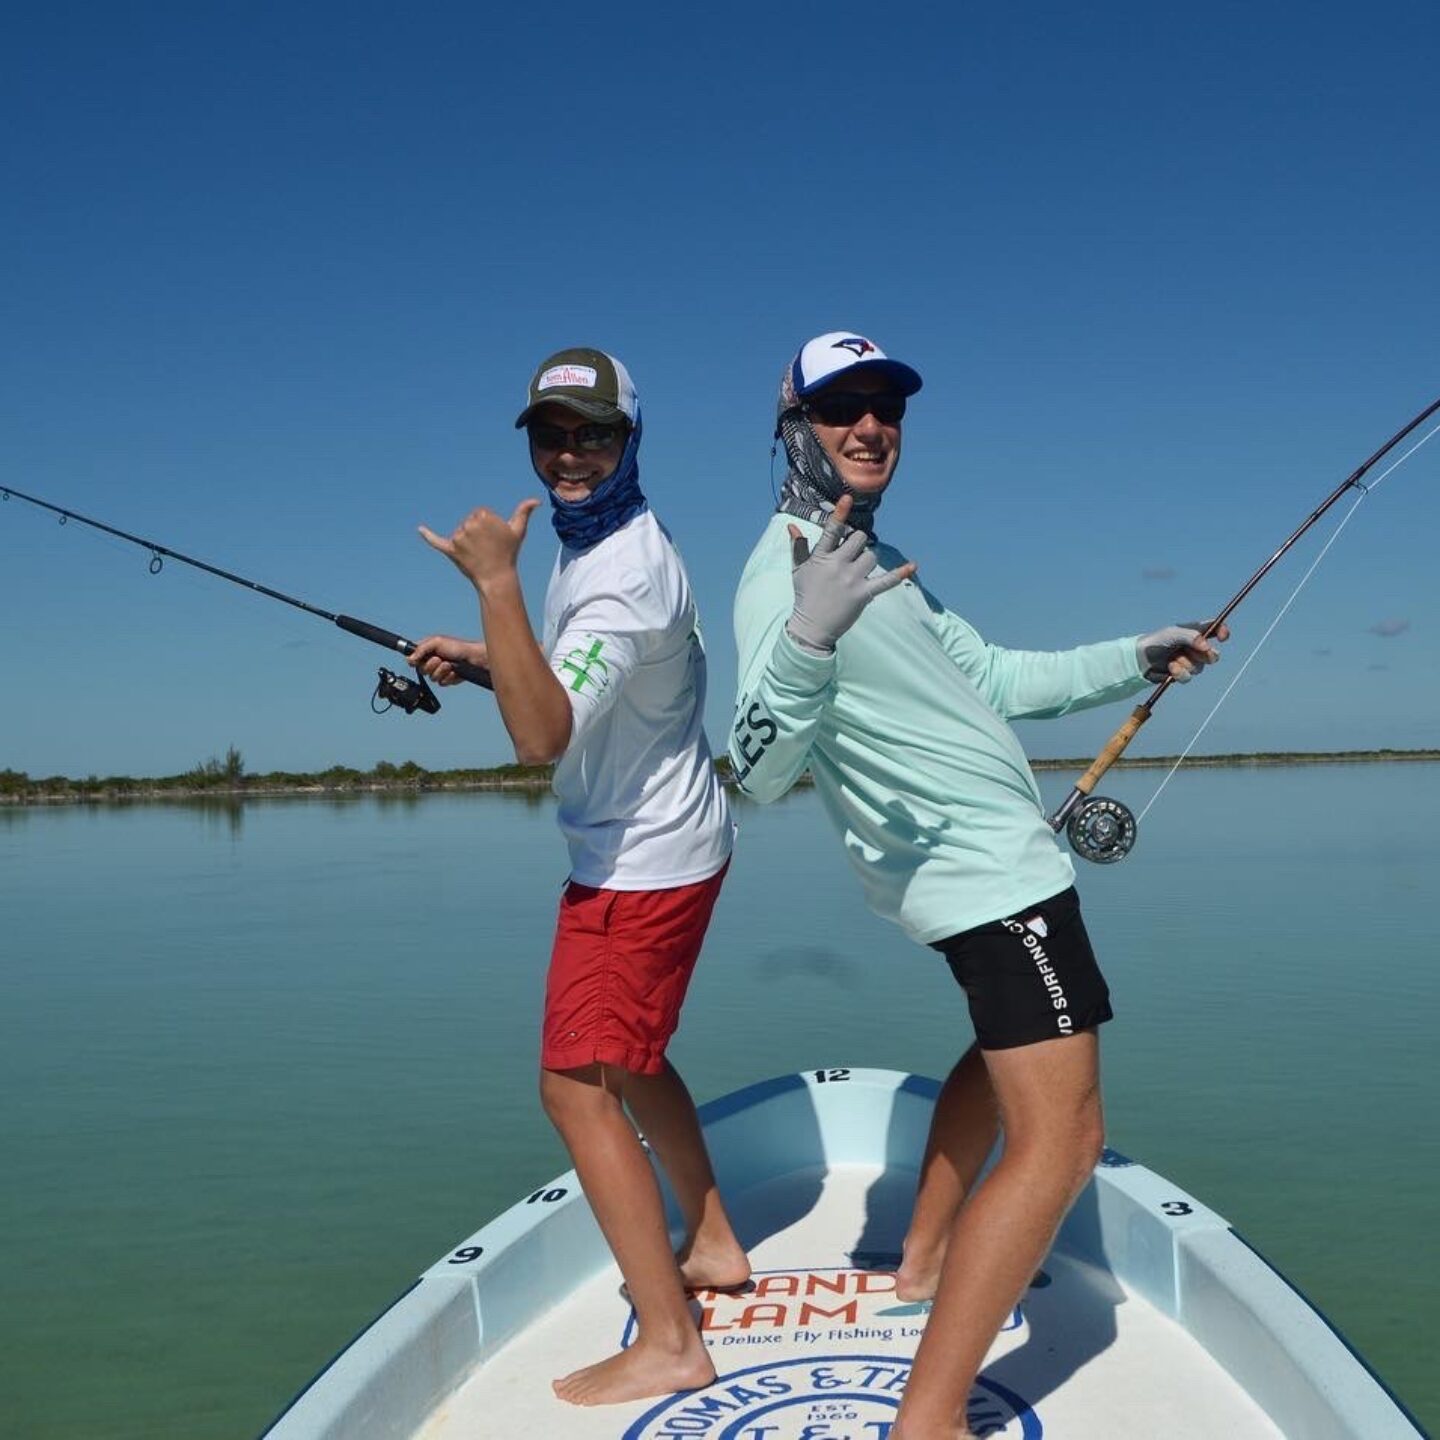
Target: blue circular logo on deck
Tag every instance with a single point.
(835, 1397)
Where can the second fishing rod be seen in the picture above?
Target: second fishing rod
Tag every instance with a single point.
(1102, 829)
(404, 692)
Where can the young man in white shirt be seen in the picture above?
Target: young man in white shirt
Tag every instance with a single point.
(614, 695)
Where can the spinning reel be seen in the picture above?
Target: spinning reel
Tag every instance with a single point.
(403, 692)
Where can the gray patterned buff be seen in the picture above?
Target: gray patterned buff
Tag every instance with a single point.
(811, 485)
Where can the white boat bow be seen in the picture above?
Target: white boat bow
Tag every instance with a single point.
(1150, 1318)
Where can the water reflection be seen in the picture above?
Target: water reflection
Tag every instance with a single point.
(227, 810)
(220, 812)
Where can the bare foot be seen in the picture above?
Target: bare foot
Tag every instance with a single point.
(913, 1288)
(637, 1373)
(918, 1276)
(722, 1267)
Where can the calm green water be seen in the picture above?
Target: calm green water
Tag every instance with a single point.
(260, 1067)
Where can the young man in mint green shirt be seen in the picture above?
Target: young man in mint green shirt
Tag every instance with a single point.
(852, 670)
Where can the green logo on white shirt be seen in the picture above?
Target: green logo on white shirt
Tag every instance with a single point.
(586, 667)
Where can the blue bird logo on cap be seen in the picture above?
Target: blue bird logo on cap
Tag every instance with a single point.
(855, 343)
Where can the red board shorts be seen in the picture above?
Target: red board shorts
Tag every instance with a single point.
(619, 970)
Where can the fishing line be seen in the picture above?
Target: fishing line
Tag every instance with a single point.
(406, 693)
(1365, 492)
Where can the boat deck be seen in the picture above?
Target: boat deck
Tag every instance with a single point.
(1150, 1318)
(821, 1346)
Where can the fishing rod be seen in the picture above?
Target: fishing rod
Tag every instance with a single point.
(1104, 830)
(401, 691)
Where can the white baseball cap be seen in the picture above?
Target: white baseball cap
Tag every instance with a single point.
(828, 356)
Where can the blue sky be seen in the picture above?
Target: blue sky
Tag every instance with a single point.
(275, 277)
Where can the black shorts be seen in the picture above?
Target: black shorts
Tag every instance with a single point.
(1031, 977)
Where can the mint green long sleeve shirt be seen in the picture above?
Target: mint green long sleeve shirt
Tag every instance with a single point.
(904, 731)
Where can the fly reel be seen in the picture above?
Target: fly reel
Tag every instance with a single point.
(1101, 830)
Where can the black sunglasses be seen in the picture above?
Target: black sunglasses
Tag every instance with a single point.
(848, 407)
(593, 436)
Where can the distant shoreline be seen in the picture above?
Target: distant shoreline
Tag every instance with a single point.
(209, 782)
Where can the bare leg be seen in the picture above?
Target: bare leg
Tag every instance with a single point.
(711, 1257)
(962, 1133)
(1049, 1097)
(668, 1353)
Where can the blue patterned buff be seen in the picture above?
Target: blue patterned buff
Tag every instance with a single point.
(614, 502)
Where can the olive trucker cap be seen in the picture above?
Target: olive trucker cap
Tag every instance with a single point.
(587, 381)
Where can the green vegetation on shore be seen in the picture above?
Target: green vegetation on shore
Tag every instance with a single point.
(227, 777)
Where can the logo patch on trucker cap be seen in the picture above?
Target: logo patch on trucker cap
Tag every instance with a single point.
(582, 375)
(856, 344)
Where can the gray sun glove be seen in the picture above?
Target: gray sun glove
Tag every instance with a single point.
(1158, 649)
(833, 583)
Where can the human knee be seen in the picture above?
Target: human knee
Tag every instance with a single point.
(1067, 1139)
(1091, 1140)
(989, 1123)
(1087, 1144)
(553, 1098)
(575, 1097)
